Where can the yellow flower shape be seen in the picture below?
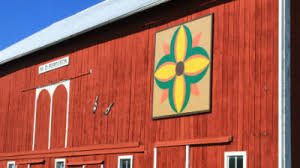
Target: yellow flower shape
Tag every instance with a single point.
(183, 66)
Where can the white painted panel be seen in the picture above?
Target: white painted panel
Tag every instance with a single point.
(54, 65)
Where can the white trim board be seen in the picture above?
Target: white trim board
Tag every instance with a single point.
(91, 18)
(154, 157)
(284, 85)
(187, 156)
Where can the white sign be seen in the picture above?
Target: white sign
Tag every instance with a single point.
(54, 65)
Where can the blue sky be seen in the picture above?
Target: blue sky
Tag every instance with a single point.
(22, 18)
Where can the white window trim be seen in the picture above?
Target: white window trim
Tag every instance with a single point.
(240, 153)
(60, 160)
(11, 162)
(125, 157)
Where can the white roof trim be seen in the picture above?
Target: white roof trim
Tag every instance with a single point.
(96, 16)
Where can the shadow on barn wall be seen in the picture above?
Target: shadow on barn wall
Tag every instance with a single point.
(295, 82)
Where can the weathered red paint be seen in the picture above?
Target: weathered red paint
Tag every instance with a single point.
(121, 55)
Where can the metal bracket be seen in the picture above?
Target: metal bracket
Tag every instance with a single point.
(108, 108)
(96, 104)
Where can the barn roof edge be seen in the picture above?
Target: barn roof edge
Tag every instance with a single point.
(93, 17)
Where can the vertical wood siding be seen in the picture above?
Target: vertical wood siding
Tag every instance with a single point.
(59, 111)
(23, 166)
(37, 166)
(121, 57)
(42, 121)
(171, 157)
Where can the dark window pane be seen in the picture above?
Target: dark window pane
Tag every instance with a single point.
(125, 163)
(239, 162)
(60, 165)
(232, 162)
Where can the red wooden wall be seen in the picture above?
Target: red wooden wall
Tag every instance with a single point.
(120, 55)
(42, 121)
(59, 111)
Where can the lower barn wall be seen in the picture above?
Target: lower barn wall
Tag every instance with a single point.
(207, 156)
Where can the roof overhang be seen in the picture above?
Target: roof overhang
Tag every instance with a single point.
(96, 16)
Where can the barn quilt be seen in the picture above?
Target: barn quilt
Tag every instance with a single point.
(182, 69)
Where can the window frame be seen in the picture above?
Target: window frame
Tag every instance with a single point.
(11, 162)
(238, 153)
(130, 157)
(60, 160)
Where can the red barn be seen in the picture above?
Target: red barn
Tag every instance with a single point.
(155, 84)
